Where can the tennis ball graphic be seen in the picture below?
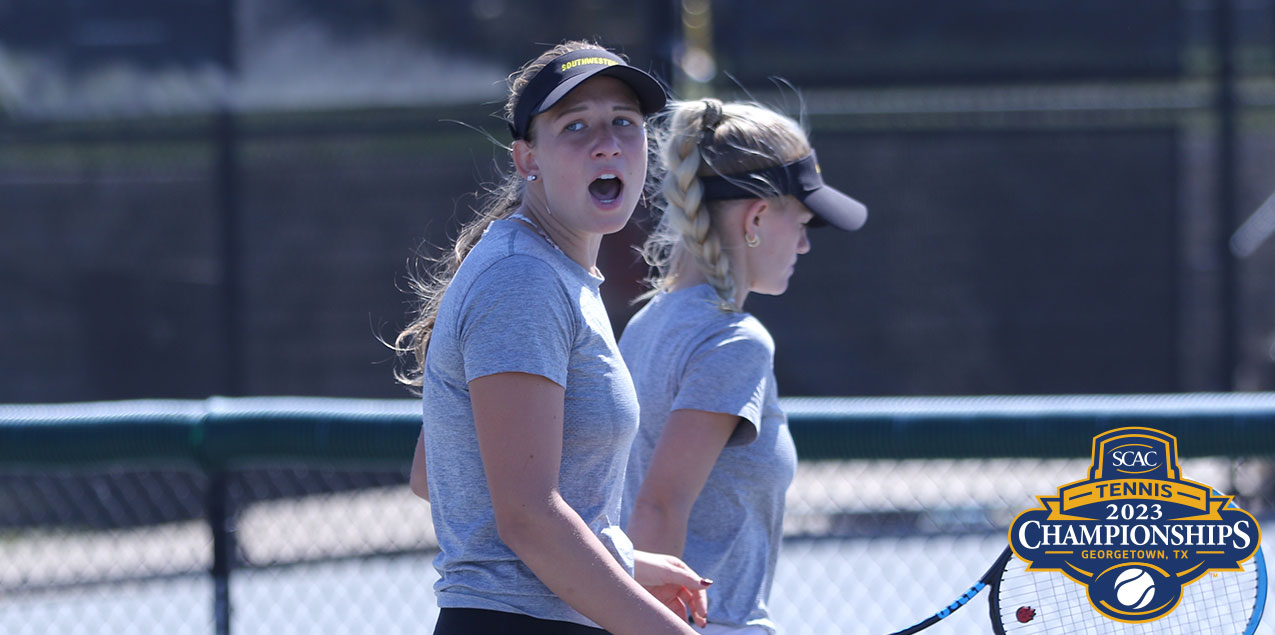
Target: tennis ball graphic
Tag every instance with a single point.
(1134, 588)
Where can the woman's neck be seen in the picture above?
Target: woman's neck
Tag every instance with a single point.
(581, 247)
(687, 274)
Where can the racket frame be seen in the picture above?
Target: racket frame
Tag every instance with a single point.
(993, 575)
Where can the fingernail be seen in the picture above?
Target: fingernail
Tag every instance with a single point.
(705, 582)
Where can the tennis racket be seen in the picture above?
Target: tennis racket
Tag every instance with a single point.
(992, 576)
(1022, 602)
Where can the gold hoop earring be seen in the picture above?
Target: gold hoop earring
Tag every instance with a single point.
(752, 240)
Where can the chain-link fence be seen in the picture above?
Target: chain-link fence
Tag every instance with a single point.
(1049, 180)
(293, 516)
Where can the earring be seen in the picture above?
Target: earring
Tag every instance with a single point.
(752, 240)
(532, 177)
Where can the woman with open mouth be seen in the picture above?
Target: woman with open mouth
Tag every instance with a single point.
(529, 411)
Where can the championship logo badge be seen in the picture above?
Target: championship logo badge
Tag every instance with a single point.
(1135, 533)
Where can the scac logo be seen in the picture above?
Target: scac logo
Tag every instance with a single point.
(1135, 458)
(1135, 532)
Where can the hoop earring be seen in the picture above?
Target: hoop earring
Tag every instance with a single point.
(752, 240)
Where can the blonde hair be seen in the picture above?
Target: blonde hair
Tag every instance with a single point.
(707, 138)
(428, 283)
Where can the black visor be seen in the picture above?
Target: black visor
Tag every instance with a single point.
(801, 179)
(569, 70)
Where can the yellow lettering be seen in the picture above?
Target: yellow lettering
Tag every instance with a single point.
(566, 66)
(1122, 554)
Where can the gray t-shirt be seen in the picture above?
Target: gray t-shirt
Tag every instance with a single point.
(517, 304)
(686, 353)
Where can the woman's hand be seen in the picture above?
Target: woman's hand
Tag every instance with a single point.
(673, 583)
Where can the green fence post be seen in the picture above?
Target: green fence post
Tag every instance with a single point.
(221, 519)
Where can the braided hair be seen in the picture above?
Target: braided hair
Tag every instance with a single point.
(706, 138)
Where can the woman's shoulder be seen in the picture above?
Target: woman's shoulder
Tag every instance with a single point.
(744, 329)
(716, 326)
(735, 324)
(506, 255)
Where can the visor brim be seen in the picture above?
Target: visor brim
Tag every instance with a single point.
(832, 207)
(650, 94)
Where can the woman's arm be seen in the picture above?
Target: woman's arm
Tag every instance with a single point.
(419, 481)
(683, 458)
(518, 418)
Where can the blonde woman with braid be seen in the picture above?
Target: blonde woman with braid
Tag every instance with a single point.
(713, 456)
(529, 411)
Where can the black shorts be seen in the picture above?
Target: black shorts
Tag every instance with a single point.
(452, 621)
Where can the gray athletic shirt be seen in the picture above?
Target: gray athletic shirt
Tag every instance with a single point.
(517, 304)
(686, 353)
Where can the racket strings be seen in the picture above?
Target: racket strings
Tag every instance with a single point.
(1032, 603)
